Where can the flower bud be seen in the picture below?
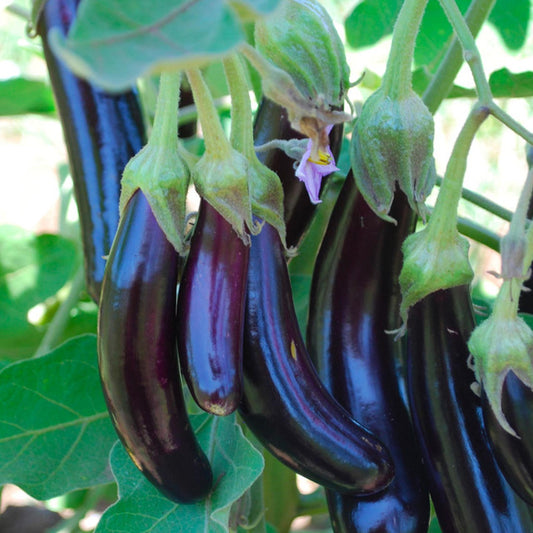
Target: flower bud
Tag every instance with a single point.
(307, 70)
(392, 145)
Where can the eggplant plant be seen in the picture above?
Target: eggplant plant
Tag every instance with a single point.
(266, 322)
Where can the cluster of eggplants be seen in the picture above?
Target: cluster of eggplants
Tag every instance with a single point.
(239, 344)
(102, 132)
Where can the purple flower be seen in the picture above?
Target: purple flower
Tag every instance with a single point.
(317, 161)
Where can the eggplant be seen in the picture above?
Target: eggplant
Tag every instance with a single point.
(211, 313)
(272, 122)
(102, 132)
(354, 301)
(138, 360)
(467, 488)
(284, 403)
(513, 453)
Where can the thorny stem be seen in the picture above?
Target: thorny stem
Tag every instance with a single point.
(397, 78)
(216, 143)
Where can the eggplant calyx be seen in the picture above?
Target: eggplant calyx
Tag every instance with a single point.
(501, 344)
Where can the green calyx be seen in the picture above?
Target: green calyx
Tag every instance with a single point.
(300, 38)
(302, 63)
(159, 169)
(433, 260)
(163, 177)
(392, 145)
(223, 182)
(501, 344)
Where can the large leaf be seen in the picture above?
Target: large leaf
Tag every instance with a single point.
(113, 42)
(21, 95)
(55, 433)
(32, 268)
(141, 508)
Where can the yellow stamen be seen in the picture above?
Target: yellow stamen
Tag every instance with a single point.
(323, 158)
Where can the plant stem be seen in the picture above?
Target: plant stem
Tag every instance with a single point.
(397, 80)
(166, 111)
(216, 143)
(470, 51)
(445, 210)
(484, 203)
(242, 135)
(478, 233)
(58, 323)
(510, 122)
(313, 504)
(442, 81)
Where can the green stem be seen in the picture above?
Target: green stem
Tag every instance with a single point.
(484, 203)
(397, 80)
(242, 135)
(166, 112)
(445, 210)
(442, 81)
(510, 122)
(58, 323)
(470, 50)
(216, 143)
(478, 233)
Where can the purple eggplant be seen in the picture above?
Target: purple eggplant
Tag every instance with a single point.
(138, 360)
(468, 490)
(271, 122)
(102, 132)
(284, 403)
(354, 301)
(211, 313)
(513, 453)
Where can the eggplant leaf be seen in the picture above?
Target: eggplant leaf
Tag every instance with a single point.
(55, 433)
(236, 465)
(114, 42)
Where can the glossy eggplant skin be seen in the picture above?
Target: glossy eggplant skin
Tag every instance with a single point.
(138, 360)
(284, 403)
(467, 488)
(352, 301)
(514, 455)
(210, 313)
(271, 122)
(102, 132)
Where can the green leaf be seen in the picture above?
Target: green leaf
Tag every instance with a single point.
(511, 20)
(21, 95)
(141, 508)
(114, 42)
(370, 21)
(505, 84)
(32, 268)
(55, 433)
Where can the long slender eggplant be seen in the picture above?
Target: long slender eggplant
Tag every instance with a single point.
(284, 403)
(271, 122)
(102, 132)
(211, 313)
(138, 360)
(514, 453)
(352, 299)
(468, 489)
